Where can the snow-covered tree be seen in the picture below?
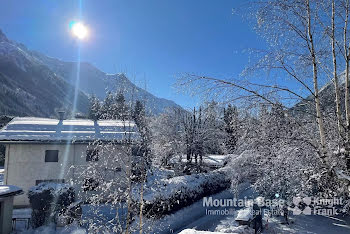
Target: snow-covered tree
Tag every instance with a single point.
(94, 108)
(211, 128)
(167, 137)
(121, 108)
(231, 127)
(140, 118)
(106, 183)
(275, 154)
(108, 107)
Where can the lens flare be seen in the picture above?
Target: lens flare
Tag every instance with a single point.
(79, 30)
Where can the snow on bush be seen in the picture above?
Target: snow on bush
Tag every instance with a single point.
(55, 189)
(165, 195)
(235, 230)
(47, 199)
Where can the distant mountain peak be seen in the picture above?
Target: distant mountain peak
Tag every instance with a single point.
(3, 37)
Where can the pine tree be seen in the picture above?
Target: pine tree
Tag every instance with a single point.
(139, 116)
(231, 127)
(121, 110)
(108, 111)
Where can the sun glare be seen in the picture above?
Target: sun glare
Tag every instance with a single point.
(79, 30)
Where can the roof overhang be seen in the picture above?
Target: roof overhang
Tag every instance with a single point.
(65, 142)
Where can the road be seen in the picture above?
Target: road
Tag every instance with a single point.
(207, 222)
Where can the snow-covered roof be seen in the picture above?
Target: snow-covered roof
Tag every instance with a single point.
(9, 190)
(33, 129)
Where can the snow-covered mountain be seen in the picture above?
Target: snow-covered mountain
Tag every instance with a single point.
(28, 87)
(35, 84)
(327, 98)
(94, 81)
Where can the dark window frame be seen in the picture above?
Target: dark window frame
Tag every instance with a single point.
(51, 155)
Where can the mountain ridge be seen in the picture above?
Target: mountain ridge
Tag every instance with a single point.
(91, 79)
(28, 87)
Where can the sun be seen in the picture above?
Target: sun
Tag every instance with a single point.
(79, 30)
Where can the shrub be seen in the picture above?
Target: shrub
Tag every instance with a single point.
(47, 200)
(169, 195)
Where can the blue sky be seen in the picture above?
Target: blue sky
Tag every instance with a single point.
(153, 40)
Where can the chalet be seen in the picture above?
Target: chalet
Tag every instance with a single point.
(57, 150)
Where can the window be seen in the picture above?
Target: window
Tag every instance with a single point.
(57, 181)
(51, 156)
(90, 184)
(92, 155)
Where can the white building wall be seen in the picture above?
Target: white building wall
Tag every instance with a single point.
(25, 163)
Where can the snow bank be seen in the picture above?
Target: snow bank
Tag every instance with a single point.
(217, 160)
(55, 188)
(162, 196)
(236, 230)
(163, 188)
(192, 231)
(181, 219)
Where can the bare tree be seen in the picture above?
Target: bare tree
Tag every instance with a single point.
(335, 75)
(291, 30)
(319, 115)
(347, 63)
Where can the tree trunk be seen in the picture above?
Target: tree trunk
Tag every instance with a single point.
(128, 218)
(336, 81)
(144, 177)
(319, 115)
(347, 84)
(188, 153)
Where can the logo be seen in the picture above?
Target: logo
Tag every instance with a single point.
(297, 211)
(300, 205)
(316, 206)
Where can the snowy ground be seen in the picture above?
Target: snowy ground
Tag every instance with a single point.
(236, 230)
(220, 223)
(311, 224)
(194, 219)
(302, 224)
(215, 160)
(180, 220)
(103, 214)
(194, 216)
(210, 160)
